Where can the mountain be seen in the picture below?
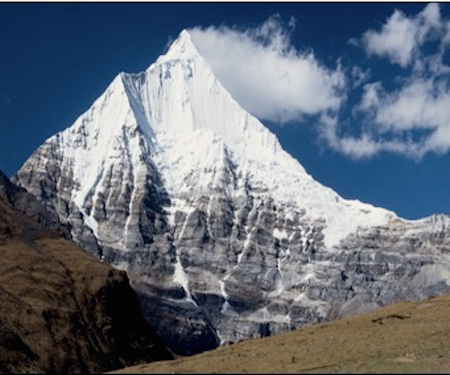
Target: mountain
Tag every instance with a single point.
(223, 234)
(61, 310)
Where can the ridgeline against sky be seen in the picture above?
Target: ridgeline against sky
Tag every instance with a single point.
(357, 93)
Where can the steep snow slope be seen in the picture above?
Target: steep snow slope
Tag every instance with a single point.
(197, 123)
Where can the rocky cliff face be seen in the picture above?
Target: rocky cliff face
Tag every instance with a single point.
(61, 310)
(224, 235)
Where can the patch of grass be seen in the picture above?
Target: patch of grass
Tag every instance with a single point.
(407, 337)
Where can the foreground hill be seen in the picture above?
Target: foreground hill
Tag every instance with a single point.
(407, 337)
(61, 310)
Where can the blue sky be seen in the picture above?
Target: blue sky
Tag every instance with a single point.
(364, 108)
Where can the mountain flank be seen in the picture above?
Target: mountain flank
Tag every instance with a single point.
(61, 310)
(406, 337)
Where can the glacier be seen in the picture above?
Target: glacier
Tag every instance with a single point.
(223, 234)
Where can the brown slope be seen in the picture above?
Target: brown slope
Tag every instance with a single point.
(60, 309)
(407, 337)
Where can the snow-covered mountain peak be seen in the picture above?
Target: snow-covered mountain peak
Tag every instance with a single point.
(168, 177)
(196, 122)
(178, 119)
(182, 47)
(180, 96)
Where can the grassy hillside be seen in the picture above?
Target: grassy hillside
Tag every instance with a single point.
(61, 310)
(407, 337)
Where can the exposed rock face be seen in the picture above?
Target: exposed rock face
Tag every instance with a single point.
(61, 310)
(223, 234)
(400, 261)
(31, 219)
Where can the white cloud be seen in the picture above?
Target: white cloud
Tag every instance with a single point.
(396, 40)
(411, 121)
(402, 36)
(359, 76)
(267, 75)
(413, 117)
(370, 97)
(417, 105)
(367, 145)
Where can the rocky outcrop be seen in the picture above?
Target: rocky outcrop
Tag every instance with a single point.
(224, 236)
(28, 217)
(61, 310)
